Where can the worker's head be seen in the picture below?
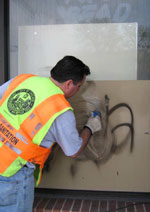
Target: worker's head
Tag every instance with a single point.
(70, 73)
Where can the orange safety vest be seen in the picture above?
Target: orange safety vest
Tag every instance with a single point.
(22, 139)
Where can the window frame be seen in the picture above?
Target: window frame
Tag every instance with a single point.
(4, 51)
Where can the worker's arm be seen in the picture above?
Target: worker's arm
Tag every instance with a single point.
(93, 125)
(85, 135)
(64, 132)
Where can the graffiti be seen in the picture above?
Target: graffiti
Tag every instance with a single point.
(102, 145)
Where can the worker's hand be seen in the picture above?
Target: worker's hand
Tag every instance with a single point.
(94, 122)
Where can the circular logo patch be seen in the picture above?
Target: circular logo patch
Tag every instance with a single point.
(21, 101)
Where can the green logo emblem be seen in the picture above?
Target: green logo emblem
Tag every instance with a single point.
(21, 101)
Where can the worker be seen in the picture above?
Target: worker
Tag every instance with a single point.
(34, 114)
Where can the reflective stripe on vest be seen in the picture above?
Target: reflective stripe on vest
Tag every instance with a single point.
(16, 145)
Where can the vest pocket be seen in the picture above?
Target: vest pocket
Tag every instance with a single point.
(8, 193)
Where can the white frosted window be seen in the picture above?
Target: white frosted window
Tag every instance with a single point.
(110, 50)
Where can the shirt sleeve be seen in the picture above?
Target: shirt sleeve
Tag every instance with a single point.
(4, 87)
(63, 131)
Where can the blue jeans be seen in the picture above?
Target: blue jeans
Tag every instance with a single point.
(17, 192)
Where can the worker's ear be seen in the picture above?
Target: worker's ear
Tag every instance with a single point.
(69, 84)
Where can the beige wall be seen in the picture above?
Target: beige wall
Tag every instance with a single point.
(122, 170)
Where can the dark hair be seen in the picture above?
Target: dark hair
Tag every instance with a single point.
(69, 68)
